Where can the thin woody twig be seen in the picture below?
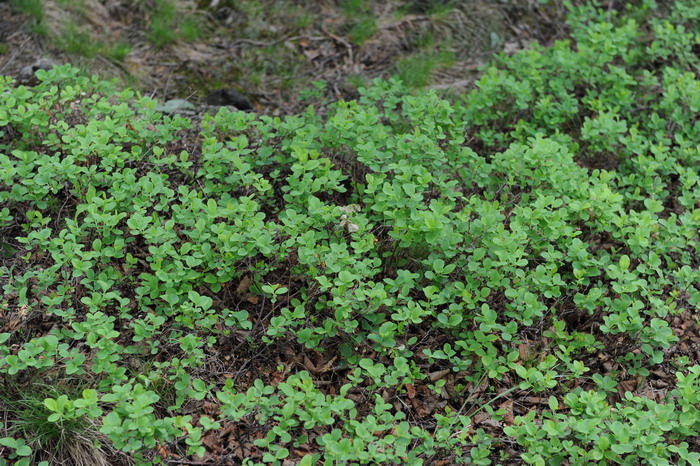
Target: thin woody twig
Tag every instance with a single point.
(14, 55)
(261, 43)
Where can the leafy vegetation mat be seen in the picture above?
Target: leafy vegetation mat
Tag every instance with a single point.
(508, 277)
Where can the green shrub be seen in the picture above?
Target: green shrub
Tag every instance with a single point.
(433, 258)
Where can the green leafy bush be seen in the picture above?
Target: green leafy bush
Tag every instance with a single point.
(373, 285)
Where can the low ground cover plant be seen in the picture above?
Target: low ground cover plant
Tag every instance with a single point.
(509, 276)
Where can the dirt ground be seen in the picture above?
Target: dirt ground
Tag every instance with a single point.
(271, 50)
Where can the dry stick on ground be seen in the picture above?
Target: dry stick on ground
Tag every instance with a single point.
(406, 20)
(260, 43)
(170, 75)
(14, 55)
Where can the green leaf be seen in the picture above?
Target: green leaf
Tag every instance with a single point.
(24, 450)
(8, 442)
(624, 262)
(51, 404)
(282, 453)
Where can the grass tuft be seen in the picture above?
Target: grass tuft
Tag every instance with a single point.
(418, 70)
(73, 441)
(35, 10)
(168, 26)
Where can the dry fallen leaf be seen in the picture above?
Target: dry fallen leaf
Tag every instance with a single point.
(628, 385)
(437, 375)
(211, 409)
(411, 391)
(524, 350)
(243, 285)
(212, 442)
(309, 365)
(311, 54)
(507, 406)
(483, 419)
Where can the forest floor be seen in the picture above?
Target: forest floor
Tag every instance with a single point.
(283, 55)
(272, 50)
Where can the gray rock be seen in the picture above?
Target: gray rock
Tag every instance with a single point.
(176, 106)
(226, 96)
(27, 75)
(45, 64)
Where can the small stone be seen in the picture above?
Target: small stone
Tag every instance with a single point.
(27, 75)
(44, 64)
(226, 96)
(176, 106)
